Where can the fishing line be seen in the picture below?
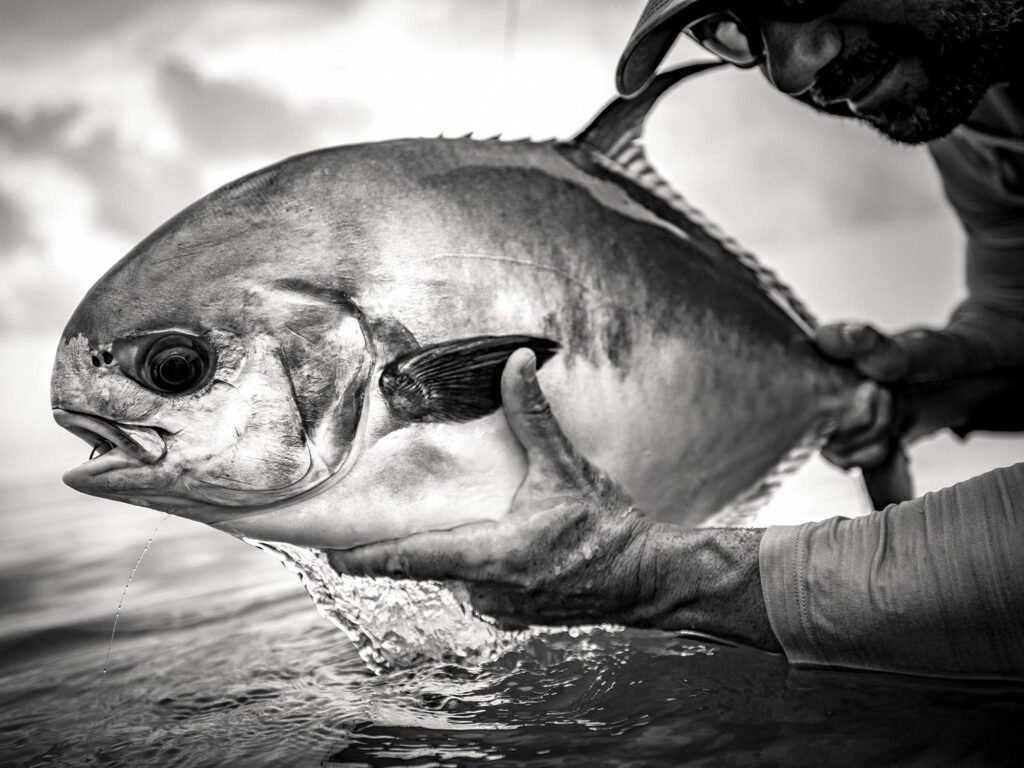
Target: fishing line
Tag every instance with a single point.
(113, 631)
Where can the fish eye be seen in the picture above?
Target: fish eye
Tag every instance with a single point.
(175, 364)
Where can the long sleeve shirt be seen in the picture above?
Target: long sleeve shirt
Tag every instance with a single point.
(931, 586)
(935, 585)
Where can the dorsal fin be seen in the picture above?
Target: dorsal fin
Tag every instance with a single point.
(620, 123)
(614, 138)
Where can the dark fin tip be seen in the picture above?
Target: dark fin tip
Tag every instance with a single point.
(456, 380)
(621, 121)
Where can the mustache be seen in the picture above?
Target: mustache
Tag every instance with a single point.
(837, 80)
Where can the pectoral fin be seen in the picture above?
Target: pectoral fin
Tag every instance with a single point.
(456, 380)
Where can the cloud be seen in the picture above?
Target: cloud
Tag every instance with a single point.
(225, 119)
(14, 230)
(40, 26)
(56, 22)
(40, 130)
(134, 190)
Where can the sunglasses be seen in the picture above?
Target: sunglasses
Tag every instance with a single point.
(734, 33)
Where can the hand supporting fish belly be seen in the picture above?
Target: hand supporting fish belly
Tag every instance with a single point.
(574, 550)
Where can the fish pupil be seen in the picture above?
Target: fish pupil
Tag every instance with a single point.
(176, 369)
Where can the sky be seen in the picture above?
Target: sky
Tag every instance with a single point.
(115, 114)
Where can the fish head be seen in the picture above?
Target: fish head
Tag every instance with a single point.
(206, 380)
(290, 335)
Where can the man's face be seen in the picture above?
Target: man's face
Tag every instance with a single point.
(913, 69)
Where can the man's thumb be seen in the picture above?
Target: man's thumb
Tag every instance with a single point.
(529, 414)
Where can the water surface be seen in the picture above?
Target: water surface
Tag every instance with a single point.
(220, 659)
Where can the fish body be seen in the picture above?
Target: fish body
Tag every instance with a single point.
(310, 355)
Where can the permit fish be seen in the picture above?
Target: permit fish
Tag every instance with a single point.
(311, 354)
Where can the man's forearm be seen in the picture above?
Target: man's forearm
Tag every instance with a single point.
(968, 376)
(705, 579)
(995, 339)
(931, 586)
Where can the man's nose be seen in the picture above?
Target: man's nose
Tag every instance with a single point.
(796, 53)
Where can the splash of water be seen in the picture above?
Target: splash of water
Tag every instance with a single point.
(396, 624)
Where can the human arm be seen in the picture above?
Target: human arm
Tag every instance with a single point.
(573, 550)
(969, 375)
(966, 377)
(931, 586)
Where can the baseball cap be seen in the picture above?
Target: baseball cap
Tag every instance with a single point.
(655, 33)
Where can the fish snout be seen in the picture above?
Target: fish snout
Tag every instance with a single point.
(82, 371)
(141, 442)
(114, 446)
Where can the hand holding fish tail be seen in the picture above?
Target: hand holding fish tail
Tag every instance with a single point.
(922, 380)
(866, 432)
(873, 425)
(575, 551)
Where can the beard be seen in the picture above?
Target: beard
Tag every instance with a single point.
(961, 48)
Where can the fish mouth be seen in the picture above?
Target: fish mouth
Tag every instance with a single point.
(114, 446)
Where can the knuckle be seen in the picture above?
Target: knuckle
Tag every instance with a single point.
(841, 460)
(829, 339)
(854, 421)
(538, 408)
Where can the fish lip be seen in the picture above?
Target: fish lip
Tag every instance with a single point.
(92, 428)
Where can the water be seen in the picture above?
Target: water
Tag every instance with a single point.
(397, 624)
(220, 659)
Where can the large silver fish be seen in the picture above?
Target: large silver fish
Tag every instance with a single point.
(311, 354)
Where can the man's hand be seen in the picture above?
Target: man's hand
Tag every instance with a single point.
(573, 550)
(965, 377)
(868, 431)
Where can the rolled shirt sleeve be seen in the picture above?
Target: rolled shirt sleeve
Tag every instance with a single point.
(933, 586)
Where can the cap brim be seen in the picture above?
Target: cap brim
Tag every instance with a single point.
(660, 24)
(641, 59)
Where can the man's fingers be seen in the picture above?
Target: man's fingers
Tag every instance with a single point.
(868, 457)
(874, 354)
(437, 555)
(860, 415)
(863, 437)
(846, 341)
(869, 419)
(529, 414)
